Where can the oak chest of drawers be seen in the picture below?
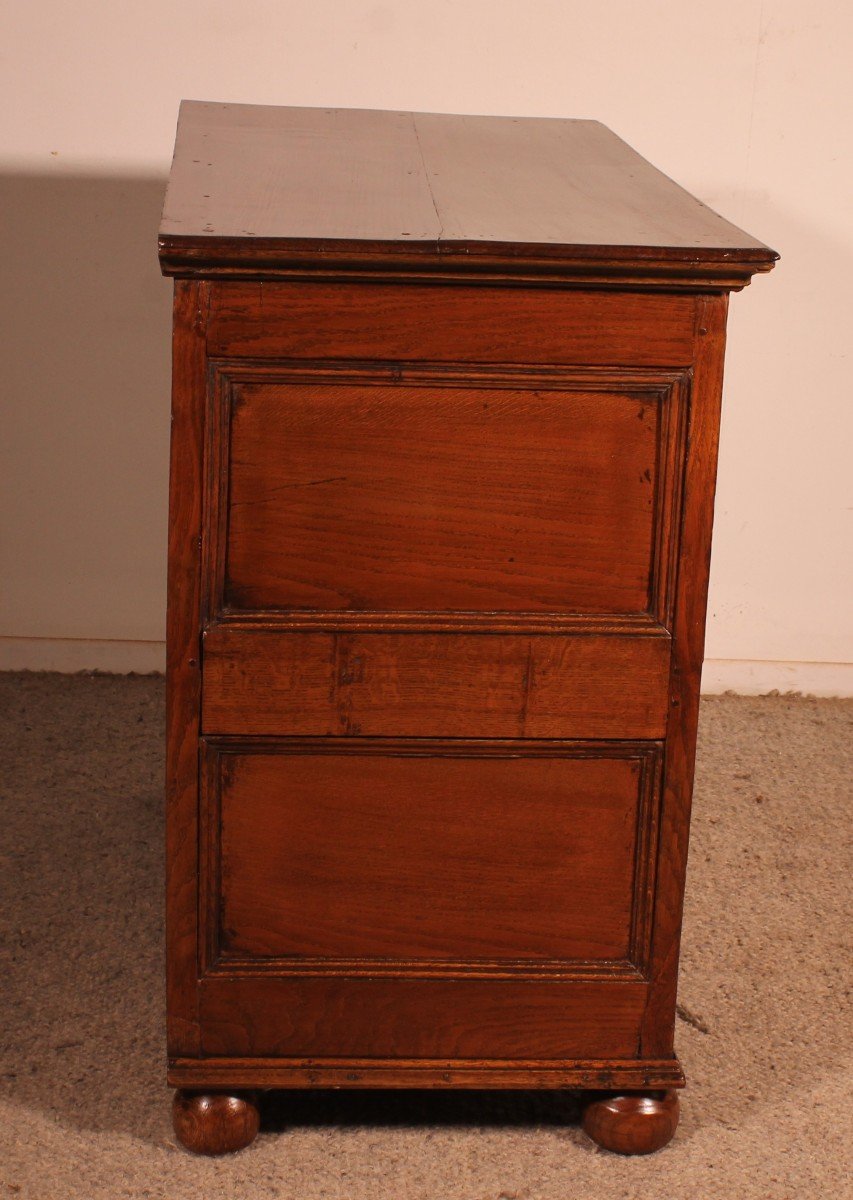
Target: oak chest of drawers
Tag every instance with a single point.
(445, 414)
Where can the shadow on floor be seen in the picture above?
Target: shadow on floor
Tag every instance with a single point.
(391, 1108)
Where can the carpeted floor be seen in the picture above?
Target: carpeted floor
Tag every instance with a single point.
(764, 1035)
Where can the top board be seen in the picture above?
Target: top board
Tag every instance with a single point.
(264, 191)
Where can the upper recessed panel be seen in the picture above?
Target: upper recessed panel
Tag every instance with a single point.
(266, 188)
(367, 498)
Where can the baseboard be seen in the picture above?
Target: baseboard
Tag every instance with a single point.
(758, 677)
(70, 655)
(746, 676)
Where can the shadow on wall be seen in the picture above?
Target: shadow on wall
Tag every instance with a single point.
(85, 316)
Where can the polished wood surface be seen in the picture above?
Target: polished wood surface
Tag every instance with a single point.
(215, 1123)
(419, 490)
(332, 1014)
(636, 1123)
(280, 189)
(402, 771)
(444, 858)
(440, 528)
(263, 681)
(414, 324)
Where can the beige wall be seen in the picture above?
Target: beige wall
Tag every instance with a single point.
(748, 104)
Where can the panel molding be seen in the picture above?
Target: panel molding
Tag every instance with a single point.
(669, 389)
(215, 962)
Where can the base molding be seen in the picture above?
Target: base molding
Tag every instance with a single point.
(596, 1074)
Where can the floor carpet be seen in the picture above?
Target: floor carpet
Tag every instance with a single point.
(764, 1031)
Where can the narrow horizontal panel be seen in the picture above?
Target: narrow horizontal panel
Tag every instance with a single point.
(379, 1018)
(363, 497)
(450, 324)
(424, 1073)
(261, 681)
(445, 857)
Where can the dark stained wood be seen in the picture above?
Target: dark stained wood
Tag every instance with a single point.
(434, 500)
(445, 420)
(215, 1123)
(283, 1072)
(441, 857)
(261, 681)
(633, 1124)
(277, 190)
(438, 324)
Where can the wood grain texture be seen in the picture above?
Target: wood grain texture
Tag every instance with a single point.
(449, 497)
(316, 1017)
(367, 498)
(183, 664)
(277, 190)
(262, 681)
(442, 323)
(424, 1073)
(455, 855)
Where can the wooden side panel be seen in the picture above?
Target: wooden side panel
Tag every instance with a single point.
(262, 681)
(450, 324)
(414, 1018)
(447, 856)
(401, 498)
(326, 672)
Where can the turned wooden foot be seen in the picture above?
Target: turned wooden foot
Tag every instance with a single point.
(215, 1122)
(632, 1123)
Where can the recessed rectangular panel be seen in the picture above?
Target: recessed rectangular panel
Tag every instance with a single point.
(365, 498)
(457, 856)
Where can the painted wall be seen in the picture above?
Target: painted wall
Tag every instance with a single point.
(747, 104)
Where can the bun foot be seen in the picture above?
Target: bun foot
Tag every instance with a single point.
(215, 1122)
(632, 1123)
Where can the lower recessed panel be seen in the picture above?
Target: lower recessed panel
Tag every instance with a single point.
(424, 899)
(405, 853)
